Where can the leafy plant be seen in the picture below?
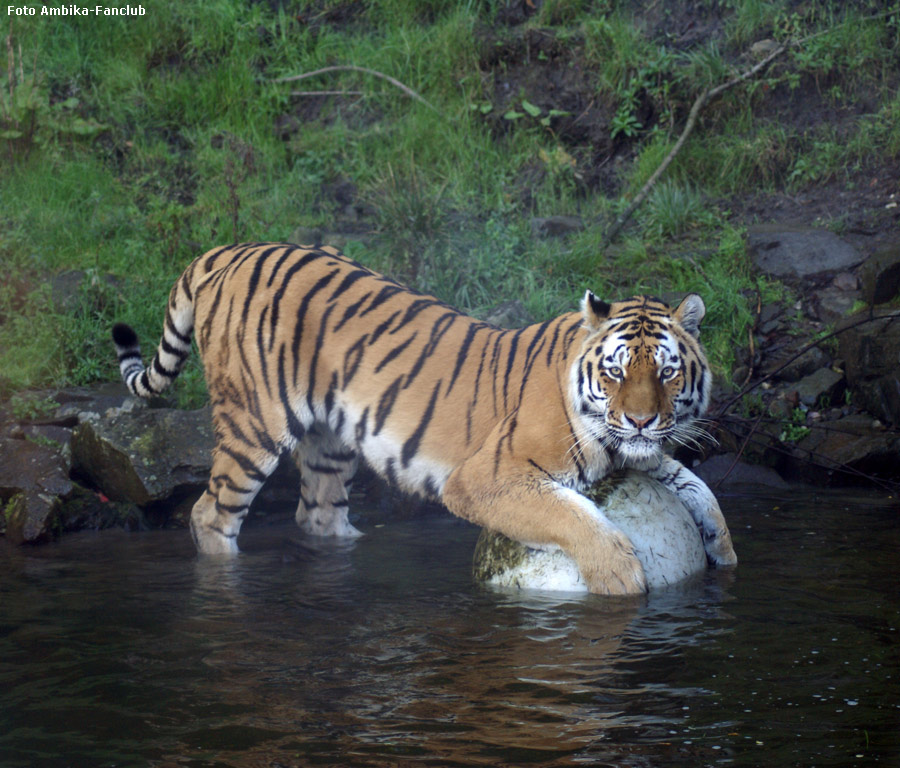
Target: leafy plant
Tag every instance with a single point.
(795, 429)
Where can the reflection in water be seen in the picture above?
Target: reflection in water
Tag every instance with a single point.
(123, 649)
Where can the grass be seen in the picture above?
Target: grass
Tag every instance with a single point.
(130, 145)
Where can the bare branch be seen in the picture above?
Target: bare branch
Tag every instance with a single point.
(353, 68)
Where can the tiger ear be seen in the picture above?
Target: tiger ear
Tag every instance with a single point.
(594, 310)
(689, 314)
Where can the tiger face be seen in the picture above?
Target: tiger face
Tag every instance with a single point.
(642, 378)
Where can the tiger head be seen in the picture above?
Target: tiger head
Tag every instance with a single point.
(641, 378)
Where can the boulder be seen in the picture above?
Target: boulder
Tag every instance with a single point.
(724, 470)
(664, 535)
(881, 275)
(145, 455)
(787, 251)
(840, 450)
(824, 386)
(32, 479)
(556, 226)
(871, 354)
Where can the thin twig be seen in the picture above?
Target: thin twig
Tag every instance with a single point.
(326, 93)
(805, 348)
(702, 100)
(353, 68)
(740, 452)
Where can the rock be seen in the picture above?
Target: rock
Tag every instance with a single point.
(845, 281)
(821, 386)
(831, 303)
(807, 363)
(146, 455)
(722, 470)
(787, 251)
(556, 226)
(31, 517)
(881, 275)
(509, 314)
(665, 538)
(839, 450)
(32, 479)
(68, 289)
(871, 353)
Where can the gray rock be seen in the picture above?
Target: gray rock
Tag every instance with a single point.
(881, 275)
(850, 444)
(823, 385)
(146, 455)
(665, 538)
(832, 303)
(556, 226)
(32, 480)
(722, 470)
(788, 251)
(871, 353)
(509, 314)
(796, 369)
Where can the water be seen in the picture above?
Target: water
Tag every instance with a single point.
(126, 650)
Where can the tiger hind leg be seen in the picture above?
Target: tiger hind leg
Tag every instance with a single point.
(235, 479)
(327, 466)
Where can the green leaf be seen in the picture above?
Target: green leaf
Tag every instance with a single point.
(530, 108)
(513, 115)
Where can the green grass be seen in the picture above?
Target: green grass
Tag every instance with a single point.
(131, 145)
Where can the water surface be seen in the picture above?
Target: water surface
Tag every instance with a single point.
(127, 650)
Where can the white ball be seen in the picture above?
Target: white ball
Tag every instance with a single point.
(664, 535)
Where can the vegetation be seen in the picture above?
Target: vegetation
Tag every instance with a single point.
(129, 145)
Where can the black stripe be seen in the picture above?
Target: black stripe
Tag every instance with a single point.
(383, 295)
(463, 351)
(247, 466)
(395, 352)
(352, 359)
(351, 311)
(323, 469)
(380, 329)
(411, 446)
(348, 280)
(414, 309)
(440, 327)
(386, 404)
(288, 252)
(314, 362)
(321, 283)
(295, 428)
(509, 365)
(307, 257)
(362, 426)
(162, 371)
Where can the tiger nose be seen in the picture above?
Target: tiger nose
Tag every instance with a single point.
(639, 422)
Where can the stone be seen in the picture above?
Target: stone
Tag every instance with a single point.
(145, 455)
(881, 275)
(831, 303)
(870, 346)
(722, 470)
(824, 386)
(509, 314)
(786, 251)
(796, 369)
(32, 479)
(556, 226)
(664, 535)
(840, 450)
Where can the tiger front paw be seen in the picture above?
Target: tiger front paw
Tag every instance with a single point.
(614, 570)
(719, 550)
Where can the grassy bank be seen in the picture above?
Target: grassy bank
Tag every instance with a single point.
(129, 145)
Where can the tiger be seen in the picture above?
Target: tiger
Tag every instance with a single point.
(308, 352)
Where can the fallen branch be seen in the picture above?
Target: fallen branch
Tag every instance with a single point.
(702, 100)
(353, 68)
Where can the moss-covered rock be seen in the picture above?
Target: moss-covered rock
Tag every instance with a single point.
(664, 535)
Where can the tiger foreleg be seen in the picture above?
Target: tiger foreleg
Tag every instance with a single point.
(540, 512)
(327, 467)
(235, 479)
(701, 503)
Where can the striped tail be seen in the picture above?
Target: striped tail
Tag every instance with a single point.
(173, 350)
